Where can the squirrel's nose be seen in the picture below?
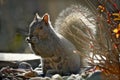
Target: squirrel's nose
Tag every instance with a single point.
(28, 40)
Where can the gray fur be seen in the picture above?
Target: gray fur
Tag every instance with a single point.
(50, 44)
(46, 43)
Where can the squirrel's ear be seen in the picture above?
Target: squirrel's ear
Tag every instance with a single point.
(36, 17)
(46, 18)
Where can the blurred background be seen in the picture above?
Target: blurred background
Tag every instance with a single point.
(16, 15)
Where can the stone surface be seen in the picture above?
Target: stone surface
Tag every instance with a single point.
(57, 77)
(13, 59)
(19, 61)
(17, 56)
(40, 78)
(95, 76)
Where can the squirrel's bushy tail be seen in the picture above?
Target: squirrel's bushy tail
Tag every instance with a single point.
(77, 24)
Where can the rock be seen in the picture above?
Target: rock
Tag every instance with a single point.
(65, 77)
(40, 78)
(14, 59)
(39, 71)
(73, 77)
(57, 77)
(95, 76)
(25, 65)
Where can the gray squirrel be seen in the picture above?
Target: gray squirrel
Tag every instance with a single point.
(62, 47)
